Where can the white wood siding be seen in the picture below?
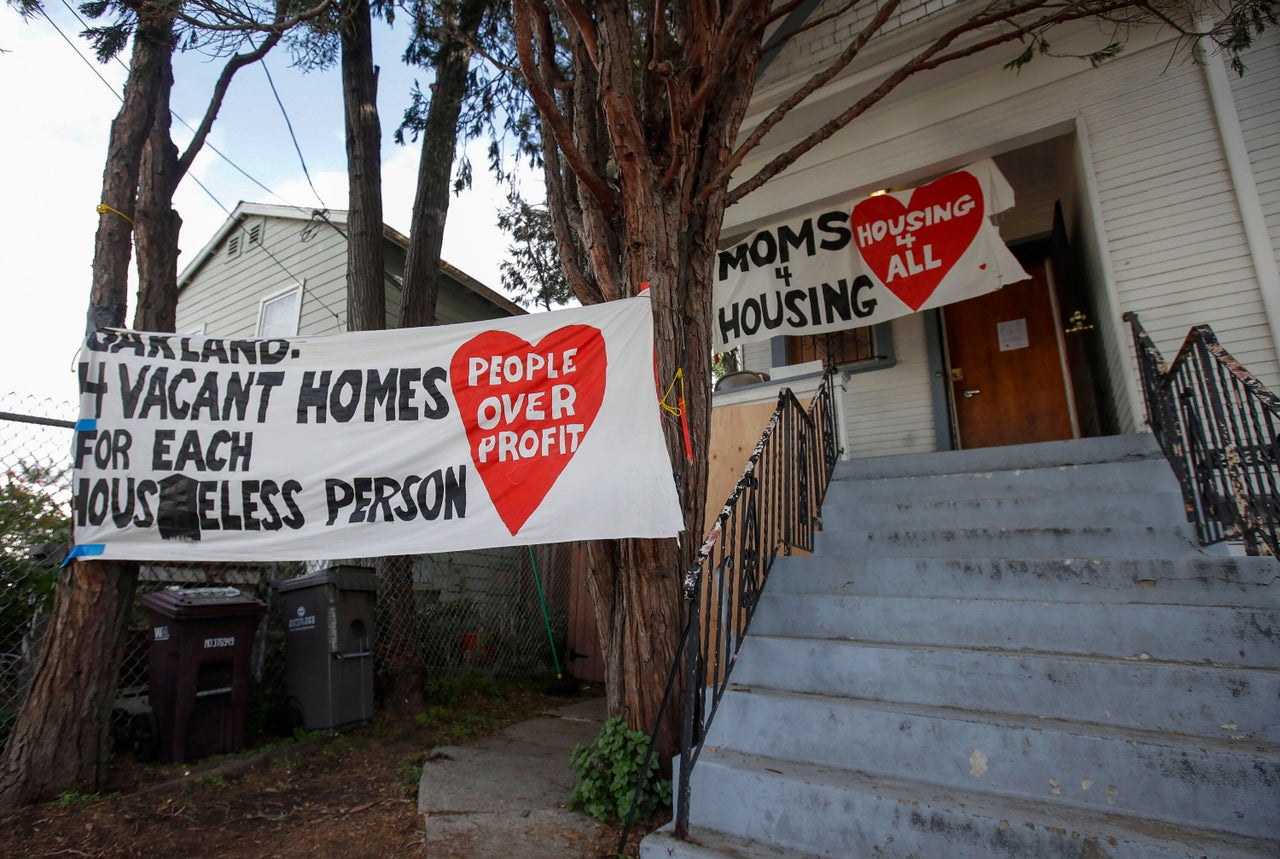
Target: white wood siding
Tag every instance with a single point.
(1171, 218)
(225, 293)
(890, 411)
(1257, 97)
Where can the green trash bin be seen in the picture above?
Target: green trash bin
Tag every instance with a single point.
(329, 645)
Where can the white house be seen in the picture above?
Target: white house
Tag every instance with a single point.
(978, 659)
(1166, 171)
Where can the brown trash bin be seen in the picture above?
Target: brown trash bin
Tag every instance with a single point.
(198, 668)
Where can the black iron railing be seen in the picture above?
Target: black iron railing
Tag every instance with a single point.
(1219, 427)
(774, 508)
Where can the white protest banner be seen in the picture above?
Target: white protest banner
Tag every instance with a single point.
(535, 429)
(888, 256)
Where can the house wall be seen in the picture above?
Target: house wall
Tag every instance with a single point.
(225, 294)
(1258, 107)
(1143, 178)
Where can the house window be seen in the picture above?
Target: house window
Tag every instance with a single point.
(278, 315)
(854, 350)
(842, 348)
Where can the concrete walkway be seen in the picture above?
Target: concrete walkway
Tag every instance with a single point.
(507, 795)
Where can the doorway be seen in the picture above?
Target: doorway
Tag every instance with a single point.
(1008, 363)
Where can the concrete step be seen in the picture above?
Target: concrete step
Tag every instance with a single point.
(1195, 700)
(710, 844)
(1228, 784)
(789, 805)
(1222, 635)
(1118, 541)
(1063, 509)
(1196, 580)
(1107, 449)
(1139, 476)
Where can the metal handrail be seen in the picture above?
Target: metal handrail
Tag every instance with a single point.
(1219, 427)
(774, 508)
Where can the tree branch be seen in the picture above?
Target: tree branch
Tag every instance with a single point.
(810, 86)
(779, 39)
(931, 58)
(233, 65)
(582, 20)
(241, 23)
(713, 75)
(540, 92)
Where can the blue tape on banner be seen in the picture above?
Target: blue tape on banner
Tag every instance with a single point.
(86, 425)
(84, 550)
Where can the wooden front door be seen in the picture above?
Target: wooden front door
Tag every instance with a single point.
(1008, 378)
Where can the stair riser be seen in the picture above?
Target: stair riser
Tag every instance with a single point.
(1175, 782)
(1064, 511)
(1121, 541)
(1186, 581)
(1124, 450)
(1193, 700)
(1149, 475)
(1168, 633)
(809, 817)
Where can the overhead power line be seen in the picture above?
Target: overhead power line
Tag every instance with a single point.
(208, 143)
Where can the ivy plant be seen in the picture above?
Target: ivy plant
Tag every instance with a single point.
(607, 772)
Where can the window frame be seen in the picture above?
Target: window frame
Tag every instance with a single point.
(296, 292)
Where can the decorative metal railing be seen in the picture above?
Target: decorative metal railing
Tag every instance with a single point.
(1219, 427)
(773, 509)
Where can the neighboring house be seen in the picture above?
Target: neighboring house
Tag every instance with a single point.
(1167, 175)
(278, 271)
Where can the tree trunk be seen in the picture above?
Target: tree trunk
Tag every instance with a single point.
(60, 739)
(431, 200)
(158, 225)
(401, 671)
(366, 273)
(635, 591)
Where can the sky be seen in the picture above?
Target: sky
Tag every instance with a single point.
(57, 114)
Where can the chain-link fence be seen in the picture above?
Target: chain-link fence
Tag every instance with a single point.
(500, 611)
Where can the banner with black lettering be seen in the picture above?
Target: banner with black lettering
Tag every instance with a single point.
(535, 429)
(889, 255)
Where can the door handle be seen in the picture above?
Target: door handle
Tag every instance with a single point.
(968, 394)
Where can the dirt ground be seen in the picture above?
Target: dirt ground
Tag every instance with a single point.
(349, 796)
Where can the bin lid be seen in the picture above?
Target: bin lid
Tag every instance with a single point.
(344, 577)
(201, 602)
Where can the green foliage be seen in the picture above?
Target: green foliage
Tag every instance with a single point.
(533, 275)
(71, 797)
(607, 772)
(451, 689)
(1039, 46)
(34, 535)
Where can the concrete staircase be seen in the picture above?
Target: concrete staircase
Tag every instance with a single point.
(1008, 652)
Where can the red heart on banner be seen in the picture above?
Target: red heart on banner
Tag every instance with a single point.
(911, 248)
(526, 409)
